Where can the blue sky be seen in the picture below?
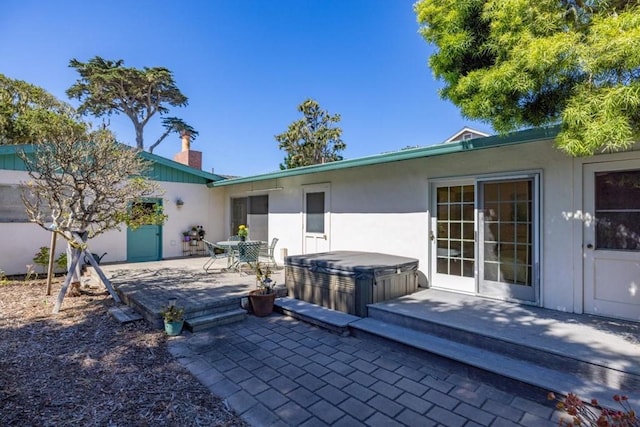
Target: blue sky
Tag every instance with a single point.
(245, 66)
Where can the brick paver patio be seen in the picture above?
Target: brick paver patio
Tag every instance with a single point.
(279, 371)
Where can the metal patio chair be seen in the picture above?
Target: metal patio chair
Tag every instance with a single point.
(267, 253)
(248, 253)
(215, 253)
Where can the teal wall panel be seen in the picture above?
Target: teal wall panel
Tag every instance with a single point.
(12, 162)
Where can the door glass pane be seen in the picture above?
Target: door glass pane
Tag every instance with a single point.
(238, 214)
(618, 210)
(507, 231)
(455, 233)
(315, 212)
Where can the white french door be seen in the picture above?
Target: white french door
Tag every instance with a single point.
(453, 260)
(484, 236)
(611, 239)
(507, 244)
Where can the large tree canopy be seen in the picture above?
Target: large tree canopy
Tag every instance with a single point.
(520, 63)
(313, 139)
(106, 87)
(31, 115)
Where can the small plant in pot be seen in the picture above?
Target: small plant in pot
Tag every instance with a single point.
(173, 318)
(264, 296)
(243, 232)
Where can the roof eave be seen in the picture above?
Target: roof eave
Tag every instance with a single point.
(526, 136)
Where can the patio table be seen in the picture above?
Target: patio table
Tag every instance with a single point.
(233, 248)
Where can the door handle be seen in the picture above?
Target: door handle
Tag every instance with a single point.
(589, 246)
(431, 236)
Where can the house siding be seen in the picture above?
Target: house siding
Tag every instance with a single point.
(201, 207)
(386, 208)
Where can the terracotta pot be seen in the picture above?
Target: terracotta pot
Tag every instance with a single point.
(262, 304)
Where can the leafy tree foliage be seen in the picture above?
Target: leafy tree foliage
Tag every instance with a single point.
(106, 87)
(29, 114)
(175, 125)
(87, 182)
(519, 63)
(313, 139)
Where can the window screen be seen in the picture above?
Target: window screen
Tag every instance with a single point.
(315, 212)
(11, 206)
(259, 205)
(618, 210)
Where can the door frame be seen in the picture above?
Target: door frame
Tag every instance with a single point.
(326, 236)
(476, 180)
(158, 240)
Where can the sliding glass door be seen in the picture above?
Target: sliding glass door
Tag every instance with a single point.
(484, 236)
(508, 226)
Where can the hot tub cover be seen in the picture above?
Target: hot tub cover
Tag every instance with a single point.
(361, 265)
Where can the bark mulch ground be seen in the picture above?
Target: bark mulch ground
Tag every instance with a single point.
(81, 367)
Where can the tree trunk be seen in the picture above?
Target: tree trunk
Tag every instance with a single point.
(139, 140)
(52, 251)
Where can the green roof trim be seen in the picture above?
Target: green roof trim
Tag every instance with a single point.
(521, 137)
(162, 169)
(172, 164)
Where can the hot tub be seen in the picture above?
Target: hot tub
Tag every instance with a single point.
(347, 280)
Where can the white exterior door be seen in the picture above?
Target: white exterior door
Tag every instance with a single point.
(611, 239)
(316, 218)
(453, 261)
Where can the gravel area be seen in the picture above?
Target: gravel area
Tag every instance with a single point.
(82, 368)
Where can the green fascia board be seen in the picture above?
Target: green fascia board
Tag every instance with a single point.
(521, 137)
(181, 167)
(8, 150)
(29, 148)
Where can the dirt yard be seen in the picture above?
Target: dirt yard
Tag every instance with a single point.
(82, 368)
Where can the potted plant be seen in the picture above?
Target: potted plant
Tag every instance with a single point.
(194, 236)
(173, 318)
(264, 296)
(185, 236)
(243, 232)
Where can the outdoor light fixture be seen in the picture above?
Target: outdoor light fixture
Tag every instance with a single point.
(179, 202)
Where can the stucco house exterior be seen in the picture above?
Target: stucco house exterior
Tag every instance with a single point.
(505, 217)
(200, 207)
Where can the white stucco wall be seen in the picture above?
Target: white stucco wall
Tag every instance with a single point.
(202, 206)
(386, 208)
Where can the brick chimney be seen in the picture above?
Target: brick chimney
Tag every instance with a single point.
(188, 156)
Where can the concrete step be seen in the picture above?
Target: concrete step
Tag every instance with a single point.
(335, 321)
(124, 314)
(606, 371)
(211, 320)
(212, 307)
(517, 369)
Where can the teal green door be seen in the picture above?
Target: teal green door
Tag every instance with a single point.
(144, 243)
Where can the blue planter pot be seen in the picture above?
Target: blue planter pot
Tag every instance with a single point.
(173, 328)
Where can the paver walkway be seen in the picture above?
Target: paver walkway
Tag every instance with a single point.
(279, 371)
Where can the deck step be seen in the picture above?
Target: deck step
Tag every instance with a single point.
(335, 321)
(207, 321)
(125, 314)
(520, 370)
(607, 371)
